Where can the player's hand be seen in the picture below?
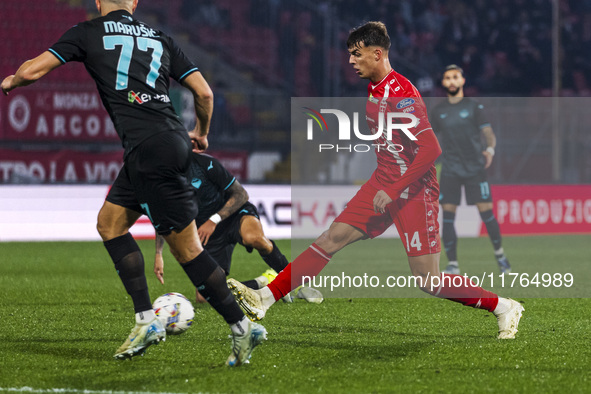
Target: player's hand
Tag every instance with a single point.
(200, 144)
(7, 84)
(205, 231)
(380, 201)
(488, 159)
(159, 268)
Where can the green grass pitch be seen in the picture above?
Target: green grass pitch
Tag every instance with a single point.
(64, 312)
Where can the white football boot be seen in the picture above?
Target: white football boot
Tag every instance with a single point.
(141, 337)
(509, 320)
(249, 300)
(243, 345)
(309, 294)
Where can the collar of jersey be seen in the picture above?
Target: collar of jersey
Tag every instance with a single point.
(116, 12)
(383, 79)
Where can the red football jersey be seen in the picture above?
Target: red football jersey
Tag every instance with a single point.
(395, 93)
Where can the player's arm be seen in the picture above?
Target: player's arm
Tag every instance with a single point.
(158, 260)
(236, 196)
(491, 143)
(31, 71)
(203, 97)
(428, 151)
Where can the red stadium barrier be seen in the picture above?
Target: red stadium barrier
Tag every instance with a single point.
(536, 209)
(236, 162)
(55, 115)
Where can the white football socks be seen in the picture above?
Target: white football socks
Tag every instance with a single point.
(261, 281)
(240, 328)
(267, 296)
(145, 317)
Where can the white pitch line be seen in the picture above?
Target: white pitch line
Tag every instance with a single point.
(66, 390)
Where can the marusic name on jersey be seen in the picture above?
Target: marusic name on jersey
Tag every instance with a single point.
(139, 31)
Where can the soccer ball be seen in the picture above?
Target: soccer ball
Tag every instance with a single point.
(175, 312)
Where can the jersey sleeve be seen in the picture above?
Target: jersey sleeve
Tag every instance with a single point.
(480, 116)
(217, 173)
(428, 151)
(180, 65)
(70, 47)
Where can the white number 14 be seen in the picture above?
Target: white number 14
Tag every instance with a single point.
(415, 242)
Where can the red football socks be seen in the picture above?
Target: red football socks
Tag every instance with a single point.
(461, 289)
(306, 265)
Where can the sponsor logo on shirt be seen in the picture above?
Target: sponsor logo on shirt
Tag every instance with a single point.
(134, 97)
(372, 99)
(405, 103)
(196, 182)
(142, 98)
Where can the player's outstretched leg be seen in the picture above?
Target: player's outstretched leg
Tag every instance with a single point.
(255, 303)
(209, 278)
(461, 289)
(129, 263)
(243, 343)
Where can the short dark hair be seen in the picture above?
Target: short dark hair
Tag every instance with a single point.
(370, 34)
(454, 67)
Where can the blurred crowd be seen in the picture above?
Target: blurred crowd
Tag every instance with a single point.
(505, 46)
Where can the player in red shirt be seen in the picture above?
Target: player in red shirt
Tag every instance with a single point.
(402, 190)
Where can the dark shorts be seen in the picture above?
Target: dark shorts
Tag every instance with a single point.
(226, 235)
(477, 189)
(153, 182)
